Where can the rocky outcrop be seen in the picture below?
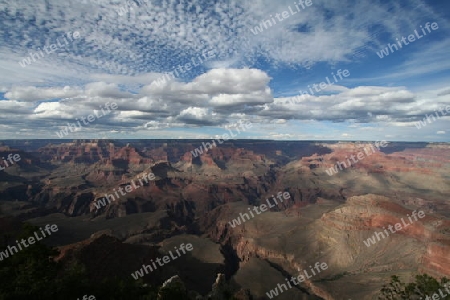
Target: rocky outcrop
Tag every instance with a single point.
(174, 287)
(100, 254)
(338, 236)
(436, 260)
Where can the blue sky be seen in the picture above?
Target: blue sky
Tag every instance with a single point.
(124, 49)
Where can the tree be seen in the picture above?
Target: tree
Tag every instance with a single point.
(424, 286)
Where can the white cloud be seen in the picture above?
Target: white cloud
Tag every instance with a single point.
(155, 37)
(120, 58)
(32, 93)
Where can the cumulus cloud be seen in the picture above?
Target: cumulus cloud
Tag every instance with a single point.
(220, 97)
(104, 90)
(32, 93)
(198, 116)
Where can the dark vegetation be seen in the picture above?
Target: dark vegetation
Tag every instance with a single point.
(32, 273)
(423, 286)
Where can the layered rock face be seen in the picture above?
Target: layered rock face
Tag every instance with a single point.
(338, 236)
(327, 218)
(90, 152)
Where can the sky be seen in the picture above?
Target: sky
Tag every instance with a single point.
(193, 69)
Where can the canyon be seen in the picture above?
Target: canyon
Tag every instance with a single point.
(192, 199)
